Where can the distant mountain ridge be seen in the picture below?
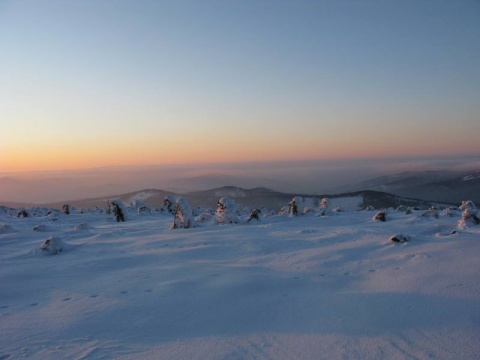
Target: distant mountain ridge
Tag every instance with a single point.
(440, 186)
(259, 197)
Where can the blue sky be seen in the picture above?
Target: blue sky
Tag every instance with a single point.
(216, 81)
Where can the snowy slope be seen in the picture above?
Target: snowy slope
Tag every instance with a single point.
(306, 287)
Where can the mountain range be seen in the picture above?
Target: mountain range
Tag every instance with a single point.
(417, 189)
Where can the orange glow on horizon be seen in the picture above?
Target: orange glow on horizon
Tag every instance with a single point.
(77, 156)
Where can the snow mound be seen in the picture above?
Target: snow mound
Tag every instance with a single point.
(6, 229)
(41, 228)
(307, 231)
(82, 226)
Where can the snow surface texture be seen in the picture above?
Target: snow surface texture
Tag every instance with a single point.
(303, 287)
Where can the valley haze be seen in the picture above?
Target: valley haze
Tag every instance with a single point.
(302, 177)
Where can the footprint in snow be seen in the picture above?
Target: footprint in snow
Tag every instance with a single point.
(93, 296)
(67, 298)
(33, 304)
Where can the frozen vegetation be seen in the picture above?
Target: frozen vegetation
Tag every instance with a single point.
(176, 282)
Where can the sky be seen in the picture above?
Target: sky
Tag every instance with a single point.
(87, 84)
(305, 90)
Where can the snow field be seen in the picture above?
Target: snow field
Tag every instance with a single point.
(304, 287)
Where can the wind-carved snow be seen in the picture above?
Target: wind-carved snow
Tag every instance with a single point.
(283, 287)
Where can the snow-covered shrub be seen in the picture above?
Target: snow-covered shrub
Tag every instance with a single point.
(293, 207)
(299, 205)
(369, 208)
(380, 216)
(325, 207)
(430, 214)
(254, 215)
(52, 246)
(226, 211)
(400, 238)
(402, 208)
(52, 216)
(183, 218)
(66, 209)
(22, 214)
(448, 212)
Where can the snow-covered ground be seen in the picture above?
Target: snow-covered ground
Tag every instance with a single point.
(306, 287)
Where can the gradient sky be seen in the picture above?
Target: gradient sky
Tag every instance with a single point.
(100, 83)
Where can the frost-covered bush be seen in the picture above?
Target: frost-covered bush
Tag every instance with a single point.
(227, 211)
(380, 216)
(183, 218)
(324, 207)
(52, 246)
(448, 212)
(254, 215)
(400, 238)
(430, 214)
(22, 214)
(66, 209)
(299, 205)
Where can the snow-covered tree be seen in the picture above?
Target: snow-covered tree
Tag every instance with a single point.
(116, 206)
(183, 218)
(226, 212)
(467, 204)
(169, 204)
